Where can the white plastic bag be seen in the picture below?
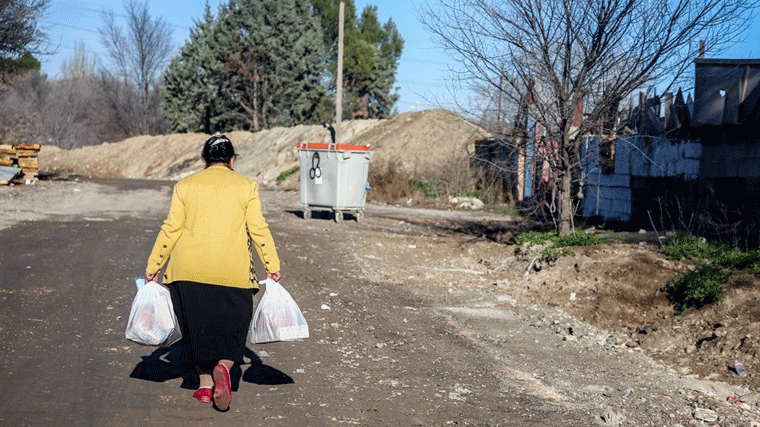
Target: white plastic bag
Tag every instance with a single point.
(277, 316)
(152, 320)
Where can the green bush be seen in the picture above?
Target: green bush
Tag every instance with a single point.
(697, 249)
(536, 237)
(693, 247)
(287, 174)
(697, 288)
(552, 254)
(471, 193)
(559, 244)
(431, 188)
(578, 238)
(736, 259)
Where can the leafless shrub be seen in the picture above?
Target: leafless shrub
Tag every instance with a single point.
(713, 219)
(390, 184)
(20, 106)
(68, 113)
(727, 223)
(138, 55)
(457, 178)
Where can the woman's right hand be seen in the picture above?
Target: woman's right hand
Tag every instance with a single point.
(151, 277)
(276, 276)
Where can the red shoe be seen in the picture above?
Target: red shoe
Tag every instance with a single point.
(222, 387)
(203, 394)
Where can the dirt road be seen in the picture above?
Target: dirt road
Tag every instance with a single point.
(407, 328)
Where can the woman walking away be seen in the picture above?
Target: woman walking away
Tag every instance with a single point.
(214, 219)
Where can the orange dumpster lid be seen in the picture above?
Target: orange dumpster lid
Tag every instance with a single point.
(326, 146)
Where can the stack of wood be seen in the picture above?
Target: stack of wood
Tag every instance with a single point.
(7, 155)
(28, 159)
(24, 156)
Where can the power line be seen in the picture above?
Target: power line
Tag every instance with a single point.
(78, 7)
(74, 49)
(55, 24)
(424, 61)
(100, 11)
(420, 83)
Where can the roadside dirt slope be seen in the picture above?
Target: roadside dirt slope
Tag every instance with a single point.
(423, 141)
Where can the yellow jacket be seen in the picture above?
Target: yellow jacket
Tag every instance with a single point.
(205, 237)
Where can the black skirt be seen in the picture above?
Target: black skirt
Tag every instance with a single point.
(214, 320)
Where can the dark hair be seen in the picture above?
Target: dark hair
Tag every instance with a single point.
(218, 149)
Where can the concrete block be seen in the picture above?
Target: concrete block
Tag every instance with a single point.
(749, 168)
(678, 167)
(621, 207)
(640, 165)
(692, 150)
(674, 153)
(618, 194)
(589, 206)
(686, 167)
(732, 154)
(729, 169)
(639, 169)
(623, 162)
(691, 168)
(657, 168)
(619, 215)
(605, 207)
(615, 180)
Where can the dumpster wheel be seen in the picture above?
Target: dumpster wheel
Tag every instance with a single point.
(338, 216)
(306, 213)
(359, 216)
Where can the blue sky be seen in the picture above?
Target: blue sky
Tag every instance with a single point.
(422, 76)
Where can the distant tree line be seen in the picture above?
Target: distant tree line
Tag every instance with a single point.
(253, 65)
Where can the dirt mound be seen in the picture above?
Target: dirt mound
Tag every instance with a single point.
(621, 288)
(424, 142)
(421, 142)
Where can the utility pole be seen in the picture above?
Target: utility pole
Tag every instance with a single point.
(339, 82)
(498, 112)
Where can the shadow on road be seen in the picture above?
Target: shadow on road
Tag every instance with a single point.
(165, 363)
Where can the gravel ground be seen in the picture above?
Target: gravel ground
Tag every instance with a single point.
(442, 266)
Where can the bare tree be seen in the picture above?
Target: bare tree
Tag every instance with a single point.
(20, 104)
(69, 112)
(19, 33)
(574, 61)
(139, 56)
(81, 65)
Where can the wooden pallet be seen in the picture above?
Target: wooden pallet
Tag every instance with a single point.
(21, 155)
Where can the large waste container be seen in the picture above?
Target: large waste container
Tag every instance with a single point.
(334, 177)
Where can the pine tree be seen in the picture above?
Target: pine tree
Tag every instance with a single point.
(371, 73)
(259, 63)
(193, 82)
(371, 55)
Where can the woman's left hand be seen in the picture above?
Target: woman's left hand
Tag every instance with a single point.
(151, 277)
(276, 276)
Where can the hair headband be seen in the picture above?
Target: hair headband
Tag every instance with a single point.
(219, 140)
